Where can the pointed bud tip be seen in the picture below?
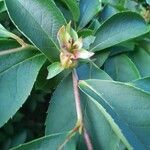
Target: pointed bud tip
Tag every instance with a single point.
(84, 54)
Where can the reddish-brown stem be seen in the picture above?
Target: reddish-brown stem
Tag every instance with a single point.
(76, 95)
(79, 111)
(87, 140)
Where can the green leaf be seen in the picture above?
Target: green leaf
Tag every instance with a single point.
(141, 59)
(119, 28)
(91, 71)
(88, 9)
(119, 4)
(148, 2)
(2, 28)
(131, 5)
(48, 85)
(6, 44)
(107, 12)
(5, 33)
(87, 41)
(143, 83)
(61, 112)
(51, 142)
(95, 24)
(122, 48)
(63, 102)
(103, 131)
(85, 32)
(18, 72)
(101, 58)
(127, 105)
(74, 8)
(54, 69)
(39, 20)
(97, 73)
(64, 10)
(145, 44)
(121, 68)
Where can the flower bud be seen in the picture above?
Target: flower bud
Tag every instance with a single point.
(71, 47)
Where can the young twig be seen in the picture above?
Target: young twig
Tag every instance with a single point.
(77, 95)
(79, 125)
(87, 140)
(79, 111)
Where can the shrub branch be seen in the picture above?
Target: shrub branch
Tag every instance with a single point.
(79, 111)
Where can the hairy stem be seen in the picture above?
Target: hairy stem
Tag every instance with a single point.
(79, 111)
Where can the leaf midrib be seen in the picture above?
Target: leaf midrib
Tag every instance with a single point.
(112, 123)
(114, 36)
(91, 88)
(39, 26)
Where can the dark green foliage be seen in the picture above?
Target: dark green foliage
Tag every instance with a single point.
(38, 109)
